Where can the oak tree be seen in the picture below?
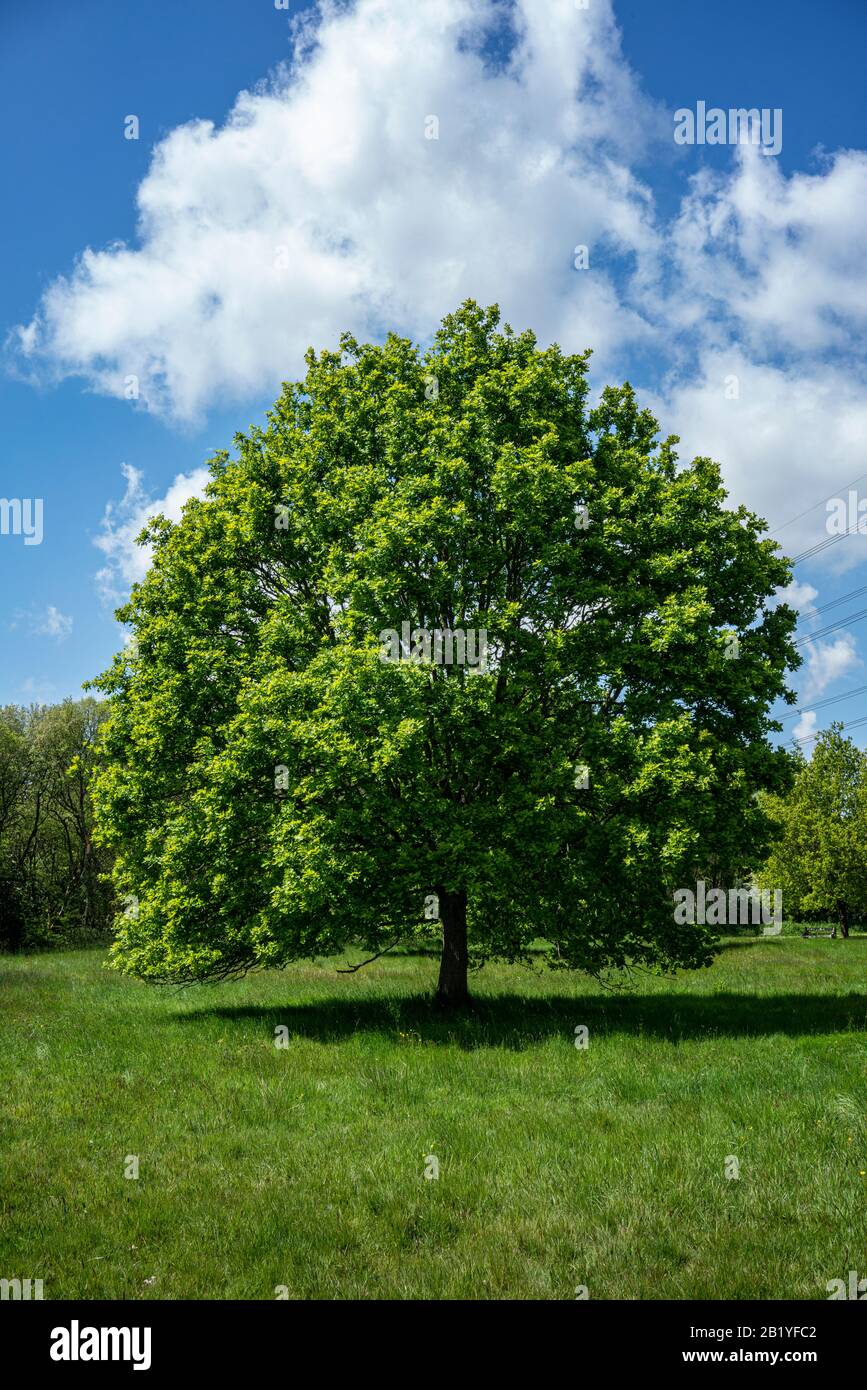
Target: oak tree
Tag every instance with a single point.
(302, 755)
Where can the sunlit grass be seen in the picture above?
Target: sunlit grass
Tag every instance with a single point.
(304, 1166)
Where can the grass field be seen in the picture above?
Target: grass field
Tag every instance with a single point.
(304, 1166)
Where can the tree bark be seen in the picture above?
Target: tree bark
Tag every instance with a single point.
(452, 991)
(844, 918)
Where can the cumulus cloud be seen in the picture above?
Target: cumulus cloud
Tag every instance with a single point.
(779, 258)
(826, 662)
(769, 297)
(800, 596)
(126, 560)
(784, 437)
(322, 204)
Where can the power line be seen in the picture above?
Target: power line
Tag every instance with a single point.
(823, 545)
(853, 724)
(835, 603)
(821, 704)
(832, 627)
(820, 503)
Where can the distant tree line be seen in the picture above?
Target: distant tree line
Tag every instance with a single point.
(52, 885)
(819, 855)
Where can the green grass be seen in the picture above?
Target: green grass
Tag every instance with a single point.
(559, 1167)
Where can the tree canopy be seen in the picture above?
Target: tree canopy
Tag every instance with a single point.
(278, 785)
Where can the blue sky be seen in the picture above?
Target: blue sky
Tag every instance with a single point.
(706, 263)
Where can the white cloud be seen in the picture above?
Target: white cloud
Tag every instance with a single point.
(826, 662)
(788, 438)
(47, 622)
(770, 376)
(54, 624)
(806, 725)
(127, 561)
(319, 206)
(378, 224)
(780, 257)
(798, 595)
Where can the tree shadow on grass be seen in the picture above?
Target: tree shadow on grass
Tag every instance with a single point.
(514, 1022)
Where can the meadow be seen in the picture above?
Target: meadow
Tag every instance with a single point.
(299, 1170)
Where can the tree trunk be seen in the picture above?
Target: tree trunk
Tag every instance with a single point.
(452, 991)
(844, 918)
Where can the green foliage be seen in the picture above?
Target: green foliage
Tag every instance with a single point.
(440, 489)
(820, 856)
(51, 875)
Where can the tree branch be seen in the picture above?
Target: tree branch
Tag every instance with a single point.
(351, 969)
